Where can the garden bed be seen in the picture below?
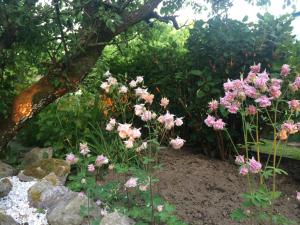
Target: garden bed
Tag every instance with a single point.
(205, 191)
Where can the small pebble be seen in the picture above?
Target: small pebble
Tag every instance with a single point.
(16, 204)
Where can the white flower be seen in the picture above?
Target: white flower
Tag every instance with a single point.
(123, 89)
(139, 79)
(107, 74)
(128, 143)
(139, 109)
(140, 91)
(105, 86)
(132, 83)
(112, 81)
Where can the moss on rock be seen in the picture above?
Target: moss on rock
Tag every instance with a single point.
(43, 167)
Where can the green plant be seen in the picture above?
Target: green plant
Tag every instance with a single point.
(260, 100)
(132, 153)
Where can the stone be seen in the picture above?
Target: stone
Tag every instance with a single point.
(6, 170)
(45, 195)
(44, 167)
(6, 219)
(35, 155)
(5, 187)
(116, 218)
(68, 212)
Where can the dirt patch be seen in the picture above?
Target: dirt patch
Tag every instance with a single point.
(205, 191)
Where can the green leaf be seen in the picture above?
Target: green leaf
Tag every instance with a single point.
(238, 215)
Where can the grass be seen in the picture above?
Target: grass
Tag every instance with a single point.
(286, 151)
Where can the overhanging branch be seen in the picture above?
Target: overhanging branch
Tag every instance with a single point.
(165, 19)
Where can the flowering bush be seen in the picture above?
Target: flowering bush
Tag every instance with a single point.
(137, 132)
(260, 99)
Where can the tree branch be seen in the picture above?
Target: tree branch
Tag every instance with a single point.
(165, 19)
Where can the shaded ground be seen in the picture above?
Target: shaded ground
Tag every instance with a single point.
(205, 191)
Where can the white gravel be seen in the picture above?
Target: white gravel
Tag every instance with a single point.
(17, 206)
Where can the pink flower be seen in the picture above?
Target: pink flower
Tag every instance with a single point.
(255, 68)
(250, 91)
(219, 125)
(71, 159)
(168, 120)
(263, 101)
(233, 108)
(297, 81)
(239, 159)
(124, 130)
(285, 70)
(81, 194)
(251, 110)
(213, 105)
(261, 81)
(275, 91)
(293, 87)
(294, 105)
(164, 102)
(244, 170)
(228, 85)
(143, 187)
(290, 127)
(111, 125)
(254, 165)
(210, 120)
(148, 98)
(177, 143)
(276, 82)
(91, 168)
(250, 78)
(160, 208)
(84, 149)
(298, 196)
(131, 183)
(101, 160)
(146, 116)
(178, 122)
(129, 143)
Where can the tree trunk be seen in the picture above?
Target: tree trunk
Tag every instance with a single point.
(33, 99)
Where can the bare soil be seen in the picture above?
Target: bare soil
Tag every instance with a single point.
(205, 191)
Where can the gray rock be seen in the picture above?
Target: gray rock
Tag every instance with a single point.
(45, 195)
(116, 218)
(5, 187)
(6, 219)
(36, 154)
(68, 212)
(6, 170)
(63, 205)
(24, 178)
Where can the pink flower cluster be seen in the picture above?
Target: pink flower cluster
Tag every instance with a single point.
(169, 121)
(258, 87)
(251, 165)
(290, 127)
(217, 124)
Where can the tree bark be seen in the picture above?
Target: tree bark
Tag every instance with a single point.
(32, 100)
